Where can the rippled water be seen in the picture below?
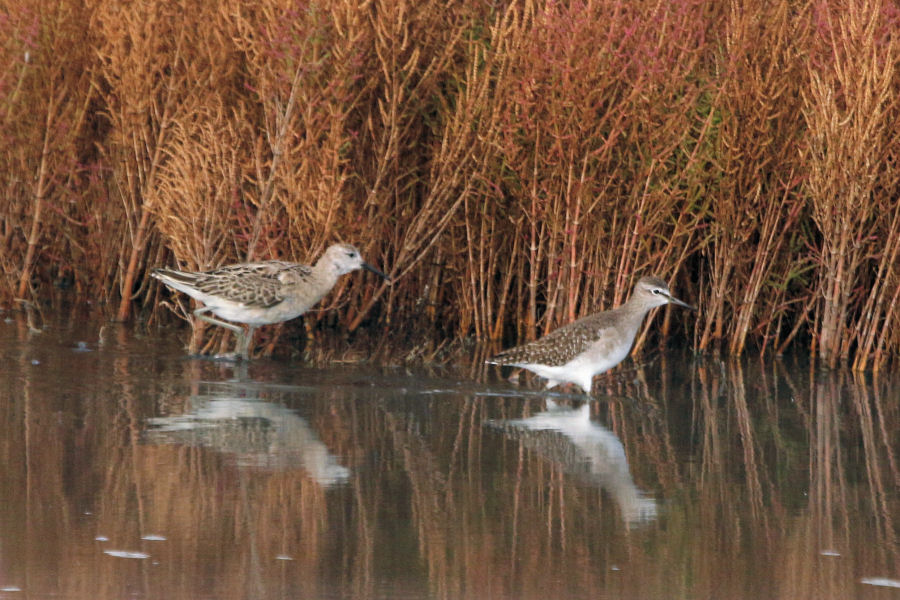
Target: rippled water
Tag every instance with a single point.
(130, 470)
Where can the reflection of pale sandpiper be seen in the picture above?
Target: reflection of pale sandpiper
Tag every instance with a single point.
(591, 345)
(568, 438)
(262, 293)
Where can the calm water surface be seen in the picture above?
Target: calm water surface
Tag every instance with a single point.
(128, 470)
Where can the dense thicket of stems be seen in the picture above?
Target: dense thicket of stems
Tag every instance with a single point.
(514, 166)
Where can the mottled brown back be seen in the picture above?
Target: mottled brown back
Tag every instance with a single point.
(253, 284)
(560, 345)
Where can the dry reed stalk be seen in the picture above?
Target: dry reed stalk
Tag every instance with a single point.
(19, 38)
(40, 190)
(300, 75)
(889, 337)
(779, 214)
(199, 187)
(283, 122)
(788, 305)
(474, 244)
(159, 63)
(535, 249)
(143, 80)
(756, 134)
(102, 235)
(10, 242)
(506, 286)
(879, 312)
(426, 196)
(848, 109)
(48, 87)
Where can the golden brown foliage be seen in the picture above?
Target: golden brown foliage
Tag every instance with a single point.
(513, 166)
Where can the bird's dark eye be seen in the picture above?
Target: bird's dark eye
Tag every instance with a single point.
(655, 291)
(351, 254)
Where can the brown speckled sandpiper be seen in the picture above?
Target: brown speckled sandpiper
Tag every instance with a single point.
(576, 352)
(262, 293)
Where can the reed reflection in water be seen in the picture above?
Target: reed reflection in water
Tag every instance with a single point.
(127, 470)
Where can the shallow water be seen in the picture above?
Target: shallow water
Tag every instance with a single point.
(130, 470)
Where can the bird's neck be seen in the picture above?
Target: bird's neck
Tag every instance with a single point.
(633, 313)
(324, 270)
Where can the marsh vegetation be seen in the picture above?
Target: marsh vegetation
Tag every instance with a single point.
(512, 165)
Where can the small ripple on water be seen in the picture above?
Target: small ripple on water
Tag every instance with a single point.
(881, 582)
(126, 554)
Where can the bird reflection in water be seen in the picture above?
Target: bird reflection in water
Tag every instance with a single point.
(567, 437)
(253, 433)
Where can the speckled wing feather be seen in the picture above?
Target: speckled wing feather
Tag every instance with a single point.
(253, 284)
(560, 345)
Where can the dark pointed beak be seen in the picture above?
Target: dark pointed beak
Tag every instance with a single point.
(677, 302)
(369, 267)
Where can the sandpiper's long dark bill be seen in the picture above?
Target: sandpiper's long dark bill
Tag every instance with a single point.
(262, 293)
(576, 352)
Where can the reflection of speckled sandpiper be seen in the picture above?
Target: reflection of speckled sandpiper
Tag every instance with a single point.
(262, 293)
(591, 345)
